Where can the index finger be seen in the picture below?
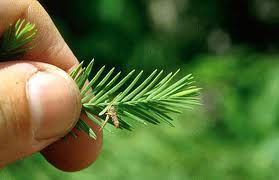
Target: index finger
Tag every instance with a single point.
(49, 47)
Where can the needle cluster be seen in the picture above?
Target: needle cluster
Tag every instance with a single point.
(16, 40)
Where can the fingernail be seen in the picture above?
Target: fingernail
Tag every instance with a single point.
(54, 103)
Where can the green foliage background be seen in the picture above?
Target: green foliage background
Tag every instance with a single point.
(231, 47)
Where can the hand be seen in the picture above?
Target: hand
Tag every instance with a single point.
(39, 102)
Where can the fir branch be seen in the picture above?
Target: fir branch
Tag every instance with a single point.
(151, 100)
(109, 99)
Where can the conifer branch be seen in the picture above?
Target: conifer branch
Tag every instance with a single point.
(109, 99)
(122, 101)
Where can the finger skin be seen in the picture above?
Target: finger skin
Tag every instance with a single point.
(49, 48)
(22, 133)
(62, 154)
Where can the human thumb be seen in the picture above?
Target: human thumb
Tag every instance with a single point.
(39, 104)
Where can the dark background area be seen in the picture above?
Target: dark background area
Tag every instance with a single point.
(231, 47)
(250, 22)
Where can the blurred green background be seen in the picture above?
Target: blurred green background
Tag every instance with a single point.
(231, 47)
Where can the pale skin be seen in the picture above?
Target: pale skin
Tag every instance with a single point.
(39, 102)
